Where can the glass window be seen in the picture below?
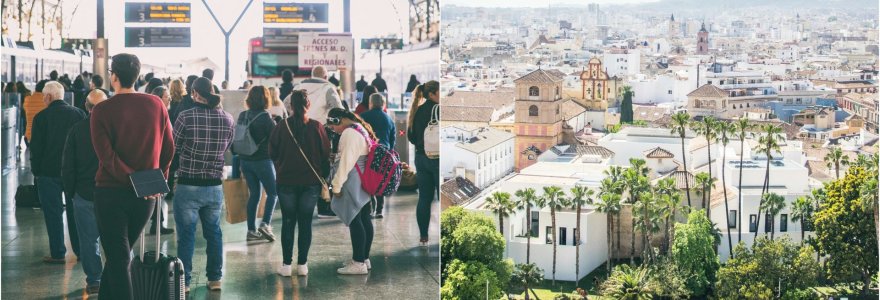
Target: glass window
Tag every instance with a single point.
(272, 64)
(767, 223)
(783, 223)
(534, 229)
(549, 235)
(562, 236)
(576, 237)
(753, 223)
(731, 217)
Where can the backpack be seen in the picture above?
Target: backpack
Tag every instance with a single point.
(382, 173)
(242, 141)
(431, 137)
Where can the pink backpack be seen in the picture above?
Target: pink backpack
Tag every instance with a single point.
(383, 171)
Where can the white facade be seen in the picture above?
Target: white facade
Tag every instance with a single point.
(622, 64)
(484, 155)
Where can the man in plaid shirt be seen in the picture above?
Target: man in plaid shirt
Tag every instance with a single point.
(202, 135)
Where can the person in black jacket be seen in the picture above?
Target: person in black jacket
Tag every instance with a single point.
(257, 167)
(78, 169)
(428, 175)
(49, 133)
(379, 83)
(412, 84)
(361, 84)
(286, 85)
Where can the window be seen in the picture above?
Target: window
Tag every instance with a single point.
(534, 229)
(731, 217)
(563, 235)
(669, 92)
(549, 235)
(753, 223)
(557, 92)
(533, 111)
(576, 237)
(767, 223)
(534, 91)
(783, 223)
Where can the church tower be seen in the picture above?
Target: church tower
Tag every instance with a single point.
(703, 40)
(538, 124)
(673, 29)
(595, 90)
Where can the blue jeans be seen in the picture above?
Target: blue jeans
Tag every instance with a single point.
(236, 167)
(256, 173)
(50, 193)
(191, 204)
(297, 206)
(89, 247)
(428, 179)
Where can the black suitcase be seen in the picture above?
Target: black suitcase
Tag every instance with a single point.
(26, 196)
(156, 276)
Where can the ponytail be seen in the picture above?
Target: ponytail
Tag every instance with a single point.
(414, 106)
(298, 102)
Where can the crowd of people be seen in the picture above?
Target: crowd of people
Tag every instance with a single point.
(295, 143)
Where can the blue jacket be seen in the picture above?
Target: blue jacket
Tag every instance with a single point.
(382, 125)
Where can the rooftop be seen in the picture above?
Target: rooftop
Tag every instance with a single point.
(484, 139)
(708, 90)
(540, 76)
(466, 113)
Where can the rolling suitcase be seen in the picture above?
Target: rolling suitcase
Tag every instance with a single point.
(26, 196)
(156, 276)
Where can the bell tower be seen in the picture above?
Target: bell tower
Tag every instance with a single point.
(538, 119)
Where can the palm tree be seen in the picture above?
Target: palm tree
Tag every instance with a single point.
(580, 195)
(614, 174)
(648, 222)
(723, 131)
(668, 199)
(802, 211)
(555, 199)
(835, 158)
(705, 182)
(528, 275)
(636, 179)
(767, 143)
(499, 203)
(707, 128)
(772, 204)
(628, 283)
(610, 205)
(527, 198)
(741, 126)
(680, 122)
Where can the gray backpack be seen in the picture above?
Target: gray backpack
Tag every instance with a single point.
(242, 141)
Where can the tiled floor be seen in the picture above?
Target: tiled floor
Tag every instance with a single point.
(401, 269)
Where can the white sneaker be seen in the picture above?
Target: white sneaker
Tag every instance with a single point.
(366, 262)
(285, 270)
(302, 270)
(354, 268)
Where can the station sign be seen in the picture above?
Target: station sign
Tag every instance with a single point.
(285, 37)
(157, 12)
(157, 37)
(295, 13)
(381, 43)
(331, 50)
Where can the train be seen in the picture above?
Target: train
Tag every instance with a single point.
(24, 62)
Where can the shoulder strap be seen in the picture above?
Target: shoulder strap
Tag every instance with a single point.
(363, 133)
(435, 114)
(252, 120)
(287, 125)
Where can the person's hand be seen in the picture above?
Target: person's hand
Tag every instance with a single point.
(154, 197)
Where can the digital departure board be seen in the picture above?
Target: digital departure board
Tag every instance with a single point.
(285, 37)
(295, 12)
(157, 37)
(157, 12)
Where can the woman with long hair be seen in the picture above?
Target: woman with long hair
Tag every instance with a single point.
(365, 100)
(350, 201)
(276, 107)
(300, 149)
(256, 167)
(421, 113)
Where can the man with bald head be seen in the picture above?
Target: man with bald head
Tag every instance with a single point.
(50, 127)
(78, 168)
(322, 97)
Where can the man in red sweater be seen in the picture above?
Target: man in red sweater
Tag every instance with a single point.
(130, 132)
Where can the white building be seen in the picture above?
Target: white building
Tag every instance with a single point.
(483, 155)
(621, 62)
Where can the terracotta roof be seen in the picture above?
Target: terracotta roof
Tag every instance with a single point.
(556, 73)
(819, 171)
(497, 98)
(648, 113)
(458, 190)
(679, 179)
(708, 90)
(571, 108)
(658, 153)
(466, 113)
(539, 76)
(594, 150)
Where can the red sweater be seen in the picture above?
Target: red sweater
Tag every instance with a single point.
(290, 166)
(130, 132)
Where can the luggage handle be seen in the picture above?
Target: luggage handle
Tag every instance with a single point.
(158, 233)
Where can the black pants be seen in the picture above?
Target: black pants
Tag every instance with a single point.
(378, 204)
(428, 178)
(71, 225)
(121, 217)
(297, 205)
(361, 230)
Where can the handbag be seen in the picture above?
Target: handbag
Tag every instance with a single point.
(431, 137)
(325, 191)
(236, 195)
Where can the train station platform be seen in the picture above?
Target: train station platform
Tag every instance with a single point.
(401, 268)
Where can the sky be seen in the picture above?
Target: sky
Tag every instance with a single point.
(373, 18)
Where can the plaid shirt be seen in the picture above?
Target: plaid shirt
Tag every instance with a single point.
(202, 136)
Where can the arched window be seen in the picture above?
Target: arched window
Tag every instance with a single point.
(533, 111)
(533, 91)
